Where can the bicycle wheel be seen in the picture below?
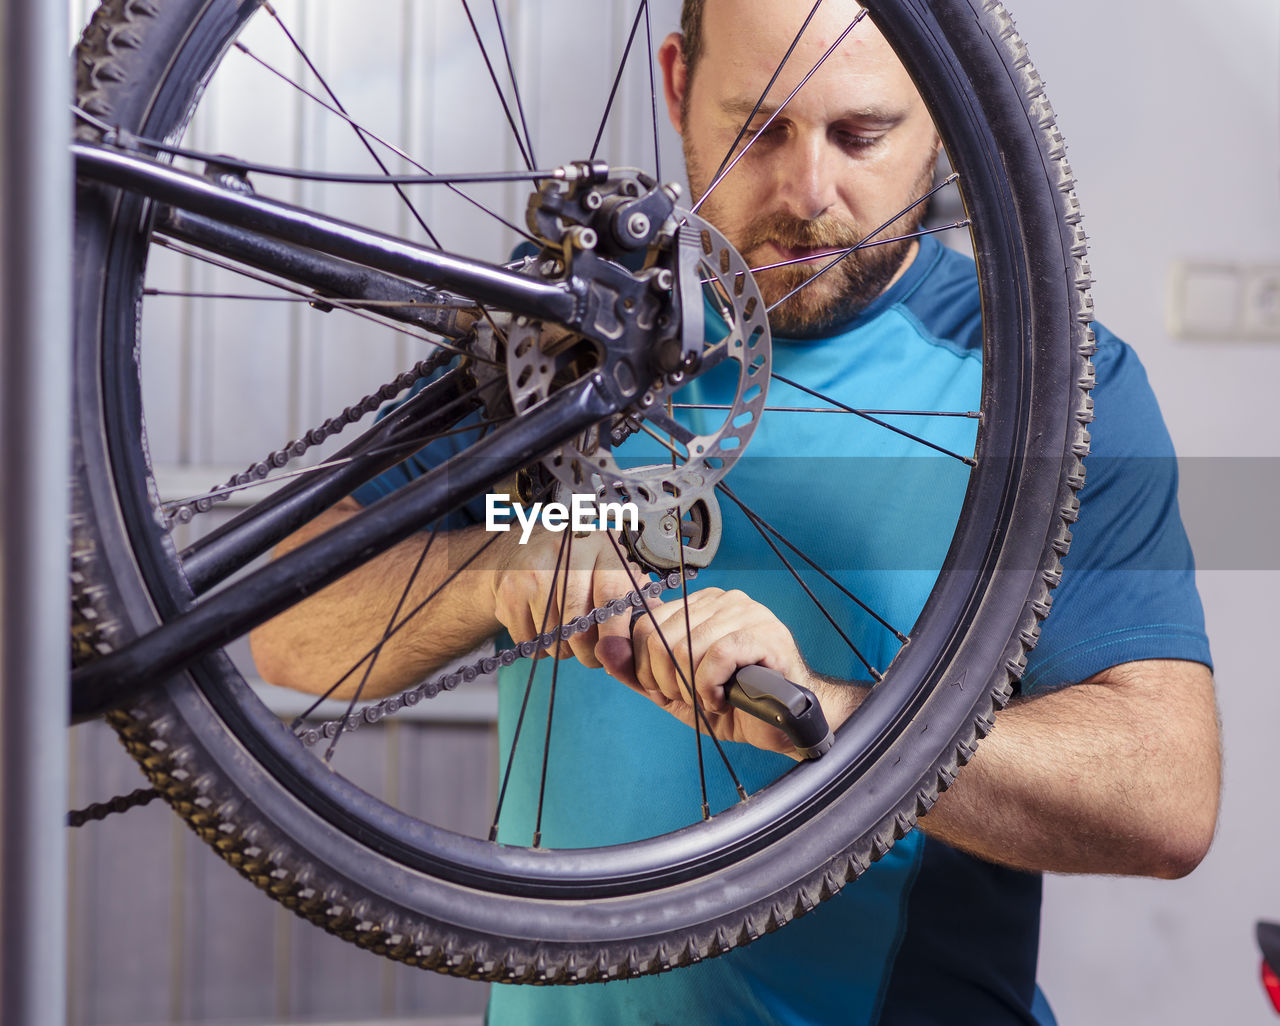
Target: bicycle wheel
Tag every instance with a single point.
(419, 893)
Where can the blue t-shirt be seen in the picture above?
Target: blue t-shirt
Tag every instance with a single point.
(927, 930)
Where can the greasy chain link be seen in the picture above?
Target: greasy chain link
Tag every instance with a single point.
(185, 511)
(390, 706)
(376, 711)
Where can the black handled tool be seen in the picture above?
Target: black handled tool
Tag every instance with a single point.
(769, 696)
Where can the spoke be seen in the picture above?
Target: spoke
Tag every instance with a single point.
(971, 414)
(354, 307)
(866, 242)
(528, 690)
(698, 715)
(758, 524)
(968, 461)
(386, 633)
(389, 633)
(515, 86)
(688, 633)
(360, 132)
(762, 525)
(426, 178)
(653, 106)
(666, 443)
(617, 80)
(567, 541)
(372, 653)
(502, 97)
(761, 522)
(720, 171)
(772, 117)
(409, 616)
(635, 585)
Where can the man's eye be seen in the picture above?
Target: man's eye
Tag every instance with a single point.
(853, 141)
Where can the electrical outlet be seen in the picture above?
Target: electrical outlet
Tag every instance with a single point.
(1203, 300)
(1224, 301)
(1261, 302)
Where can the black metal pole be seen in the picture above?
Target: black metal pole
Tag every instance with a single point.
(35, 248)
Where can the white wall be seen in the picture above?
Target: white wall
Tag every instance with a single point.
(1172, 116)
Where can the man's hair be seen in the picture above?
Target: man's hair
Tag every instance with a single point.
(691, 29)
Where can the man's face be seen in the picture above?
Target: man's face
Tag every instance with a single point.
(852, 149)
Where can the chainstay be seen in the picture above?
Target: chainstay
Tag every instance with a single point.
(390, 706)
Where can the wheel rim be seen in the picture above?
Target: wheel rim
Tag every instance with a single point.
(662, 861)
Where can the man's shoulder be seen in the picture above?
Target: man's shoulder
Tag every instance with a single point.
(1127, 417)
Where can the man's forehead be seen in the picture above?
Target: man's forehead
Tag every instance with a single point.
(745, 39)
(776, 23)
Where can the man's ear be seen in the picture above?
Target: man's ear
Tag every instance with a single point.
(675, 77)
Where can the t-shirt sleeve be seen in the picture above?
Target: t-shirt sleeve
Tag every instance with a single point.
(1128, 586)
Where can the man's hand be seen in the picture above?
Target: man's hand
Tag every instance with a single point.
(527, 584)
(505, 584)
(728, 630)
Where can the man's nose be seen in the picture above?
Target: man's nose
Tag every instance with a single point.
(808, 177)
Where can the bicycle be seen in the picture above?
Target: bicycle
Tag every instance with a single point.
(143, 611)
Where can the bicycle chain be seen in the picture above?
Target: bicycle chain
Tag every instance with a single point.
(393, 704)
(390, 706)
(186, 511)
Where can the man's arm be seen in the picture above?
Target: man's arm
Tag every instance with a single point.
(1118, 774)
(505, 584)
(309, 646)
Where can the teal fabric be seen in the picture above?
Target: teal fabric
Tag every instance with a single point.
(1129, 588)
(878, 510)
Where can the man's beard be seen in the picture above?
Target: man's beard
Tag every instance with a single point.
(841, 292)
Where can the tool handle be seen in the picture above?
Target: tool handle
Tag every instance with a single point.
(768, 695)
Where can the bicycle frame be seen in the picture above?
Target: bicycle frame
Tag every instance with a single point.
(335, 256)
(560, 302)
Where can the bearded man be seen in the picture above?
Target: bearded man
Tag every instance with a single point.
(1106, 762)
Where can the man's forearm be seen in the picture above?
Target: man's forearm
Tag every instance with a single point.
(1119, 774)
(314, 644)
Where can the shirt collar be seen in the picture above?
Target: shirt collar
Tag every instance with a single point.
(927, 254)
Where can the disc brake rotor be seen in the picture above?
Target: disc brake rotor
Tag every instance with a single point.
(713, 272)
